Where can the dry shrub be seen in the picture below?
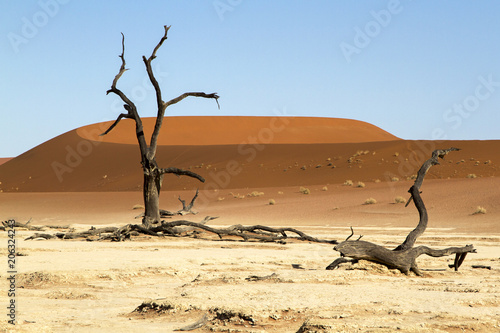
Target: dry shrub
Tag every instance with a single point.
(304, 190)
(370, 201)
(69, 295)
(394, 179)
(280, 192)
(479, 210)
(220, 198)
(255, 194)
(272, 202)
(348, 182)
(324, 188)
(399, 199)
(360, 184)
(471, 175)
(237, 196)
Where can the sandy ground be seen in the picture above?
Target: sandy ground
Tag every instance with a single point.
(78, 286)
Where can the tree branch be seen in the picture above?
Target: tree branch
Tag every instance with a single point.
(419, 203)
(181, 172)
(129, 105)
(159, 100)
(193, 94)
(122, 115)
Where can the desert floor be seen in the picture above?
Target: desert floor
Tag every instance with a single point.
(79, 286)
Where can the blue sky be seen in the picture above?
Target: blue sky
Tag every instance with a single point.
(418, 69)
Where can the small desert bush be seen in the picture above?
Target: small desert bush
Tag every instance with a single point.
(370, 201)
(255, 194)
(237, 196)
(348, 182)
(394, 179)
(360, 184)
(479, 210)
(399, 199)
(304, 190)
(471, 175)
(324, 188)
(138, 206)
(280, 192)
(272, 202)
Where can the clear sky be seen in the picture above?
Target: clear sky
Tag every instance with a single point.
(417, 69)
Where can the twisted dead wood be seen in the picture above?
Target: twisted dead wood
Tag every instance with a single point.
(404, 256)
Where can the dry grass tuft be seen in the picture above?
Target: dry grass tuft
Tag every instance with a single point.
(399, 199)
(394, 179)
(370, 201)
(471, 175)
(479, 210)
(324, 188)
(255, 194)
(360, 184)
(272, 202)
(304, 190)
(348, 182)
(237, 196)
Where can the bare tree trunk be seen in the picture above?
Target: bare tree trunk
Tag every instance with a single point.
(151, 192)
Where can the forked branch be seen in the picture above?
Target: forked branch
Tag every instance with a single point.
(129, 105)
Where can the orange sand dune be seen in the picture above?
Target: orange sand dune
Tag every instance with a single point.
(224, 130)
(4, 160)
(70, 162)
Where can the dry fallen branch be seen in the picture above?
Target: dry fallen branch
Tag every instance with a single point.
(183, 228)
(404, 256)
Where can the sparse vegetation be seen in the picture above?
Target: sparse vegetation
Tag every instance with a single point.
(479, 210)
(360, 184)
(280, 192)
(394, 179)
(324, 188)
(348, 182)
(399, 199)
(370, 201)
(272, 202)
(237, 196)
(255, 194)
(304, 190)
(471, 175)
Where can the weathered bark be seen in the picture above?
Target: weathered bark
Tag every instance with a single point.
(153, 175)
(404, 256)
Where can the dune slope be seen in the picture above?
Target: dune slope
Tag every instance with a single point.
(77, 161)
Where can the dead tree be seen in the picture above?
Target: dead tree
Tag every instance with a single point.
(153, 174)
(404, 256)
